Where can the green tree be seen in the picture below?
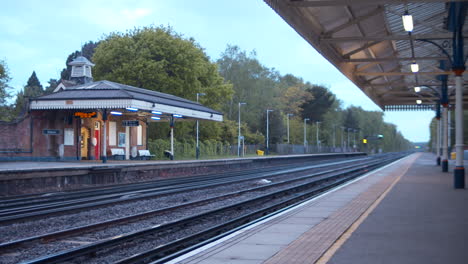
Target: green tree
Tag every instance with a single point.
(321, 102)
(4, 92)
(159, 59)
(53, 83)
(87, 50)
(252, 82)
(33, 88)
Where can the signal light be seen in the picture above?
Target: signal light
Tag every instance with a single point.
(364, 140)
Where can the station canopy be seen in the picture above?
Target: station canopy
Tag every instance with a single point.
(113, 96)
(366, 40)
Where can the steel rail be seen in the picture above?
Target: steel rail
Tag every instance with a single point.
(57, 209)
(118, 188)
(122, 220)
(112, 242)
(135, 188)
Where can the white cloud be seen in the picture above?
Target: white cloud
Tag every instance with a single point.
(114, 15)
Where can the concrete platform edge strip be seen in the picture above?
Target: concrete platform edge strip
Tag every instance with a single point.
(348, 233)
(311, 245)
(251, 226)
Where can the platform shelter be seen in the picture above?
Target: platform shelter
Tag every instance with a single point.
(404, 55)
(93, 120)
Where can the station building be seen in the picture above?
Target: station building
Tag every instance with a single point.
(83, 119)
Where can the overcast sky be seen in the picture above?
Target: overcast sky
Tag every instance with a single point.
(39, 35)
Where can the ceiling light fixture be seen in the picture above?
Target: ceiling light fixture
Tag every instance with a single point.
(116, 113)
(417, 89)
(407, 21)
(419, 101)
(414, 67)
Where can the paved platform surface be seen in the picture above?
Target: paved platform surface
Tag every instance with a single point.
(407, 212)
(422, 220)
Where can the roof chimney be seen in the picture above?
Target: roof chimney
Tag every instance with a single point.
(81, 70)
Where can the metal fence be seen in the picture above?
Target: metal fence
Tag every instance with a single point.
(287, 149)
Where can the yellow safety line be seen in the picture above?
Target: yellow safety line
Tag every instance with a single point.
(347, 234)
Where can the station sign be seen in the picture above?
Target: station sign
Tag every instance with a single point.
(52, 132)
(130, 123)
(85, 114)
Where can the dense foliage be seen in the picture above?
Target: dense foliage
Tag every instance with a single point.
(157, 58)
(4, 92)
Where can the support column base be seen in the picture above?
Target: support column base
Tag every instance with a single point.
(445, 166)
(459, 178)
(438, 161)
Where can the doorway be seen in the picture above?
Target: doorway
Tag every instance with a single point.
(84, 143)
(96, 140)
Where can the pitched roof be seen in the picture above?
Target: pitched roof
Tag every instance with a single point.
(109, 91)
(80, 60)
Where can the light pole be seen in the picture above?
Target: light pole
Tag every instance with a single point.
(317, 133)
(239, 134)
(342, 140)
(354, 145)
(268, 132)
(334, 145)
(347, 143)
(197, 150)
(288, 115)
(305, 131)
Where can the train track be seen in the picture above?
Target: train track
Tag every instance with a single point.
(210, 223)
(20, 211)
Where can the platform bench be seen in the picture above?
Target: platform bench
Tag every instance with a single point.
(118, 154)
(145, 154)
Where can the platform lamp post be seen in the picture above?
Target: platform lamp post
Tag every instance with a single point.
(438, 133)
(239, 133)
(334, 137)
(197, 150)
(287, 124)
(354, 145)
(347, 134)
(342, 138)
(444, 101)
(455, 22)
(268, 131)
(305, 133)
(317, 134)
(104, 141)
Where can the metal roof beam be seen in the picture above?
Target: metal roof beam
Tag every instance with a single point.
(319, 3)
(389, 37)
(401, 73)
(376, 60)
(354, 21)
(366, 46)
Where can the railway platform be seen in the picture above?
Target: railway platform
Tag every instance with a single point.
(405, 212)
(18, 178)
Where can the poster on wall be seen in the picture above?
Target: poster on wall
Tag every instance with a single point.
(68, 137)
(121, 139)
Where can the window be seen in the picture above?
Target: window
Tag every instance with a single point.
(121, 139)
(112, 133)
(68, 137)
(139, 135)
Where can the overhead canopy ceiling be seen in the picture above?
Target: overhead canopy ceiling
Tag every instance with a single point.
(366, 41)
